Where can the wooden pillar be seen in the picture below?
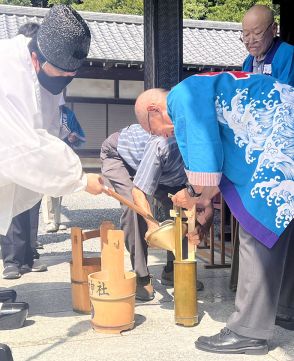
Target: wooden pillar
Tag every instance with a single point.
(163, 43)
(286, 20)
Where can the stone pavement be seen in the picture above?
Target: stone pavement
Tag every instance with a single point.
(54, 332)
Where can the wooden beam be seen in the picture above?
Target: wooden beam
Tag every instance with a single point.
(286, 20)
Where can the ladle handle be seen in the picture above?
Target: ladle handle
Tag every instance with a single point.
(129, 204)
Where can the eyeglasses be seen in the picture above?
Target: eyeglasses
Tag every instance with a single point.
(149, 123)
(255, 38)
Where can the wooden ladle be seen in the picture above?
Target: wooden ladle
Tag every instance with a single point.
(129, 204)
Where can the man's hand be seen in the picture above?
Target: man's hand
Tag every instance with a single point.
(94, 183)
(205, 214)
(182, 199)
(203, 224)
(197, 235)
(151, 228)
(72, 138)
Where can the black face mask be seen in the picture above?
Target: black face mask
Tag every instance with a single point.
(54, 84)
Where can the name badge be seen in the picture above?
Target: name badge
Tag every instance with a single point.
(267, 69)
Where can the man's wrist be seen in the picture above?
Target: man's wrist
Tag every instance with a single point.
(191, 191)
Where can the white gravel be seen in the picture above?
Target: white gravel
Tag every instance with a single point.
(78, 210)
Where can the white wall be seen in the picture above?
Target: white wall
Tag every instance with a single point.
(92, 118)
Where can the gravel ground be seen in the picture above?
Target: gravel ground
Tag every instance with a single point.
(78, 210)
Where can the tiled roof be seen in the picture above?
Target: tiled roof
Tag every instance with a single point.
(120, 38)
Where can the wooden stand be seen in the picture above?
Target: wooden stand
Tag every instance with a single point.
(80, 268)
(222, 264)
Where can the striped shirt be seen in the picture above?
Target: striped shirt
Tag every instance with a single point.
(156, 160)
(258, 66)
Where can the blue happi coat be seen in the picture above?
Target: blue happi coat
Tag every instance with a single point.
(236, 130)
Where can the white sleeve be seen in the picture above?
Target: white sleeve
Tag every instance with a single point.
(36, 160)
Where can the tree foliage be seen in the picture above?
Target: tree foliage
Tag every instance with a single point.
(233, 10)
(63, 2)
(16, 2)
(194, 9)
(113, 6)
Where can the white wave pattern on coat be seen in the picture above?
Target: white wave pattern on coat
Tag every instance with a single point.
(269, 130)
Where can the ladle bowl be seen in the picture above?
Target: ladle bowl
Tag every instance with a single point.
(164, 236)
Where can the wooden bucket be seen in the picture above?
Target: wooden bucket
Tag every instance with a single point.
(112, 291)
(80, 268)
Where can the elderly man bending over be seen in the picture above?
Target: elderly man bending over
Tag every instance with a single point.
(140, 166)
